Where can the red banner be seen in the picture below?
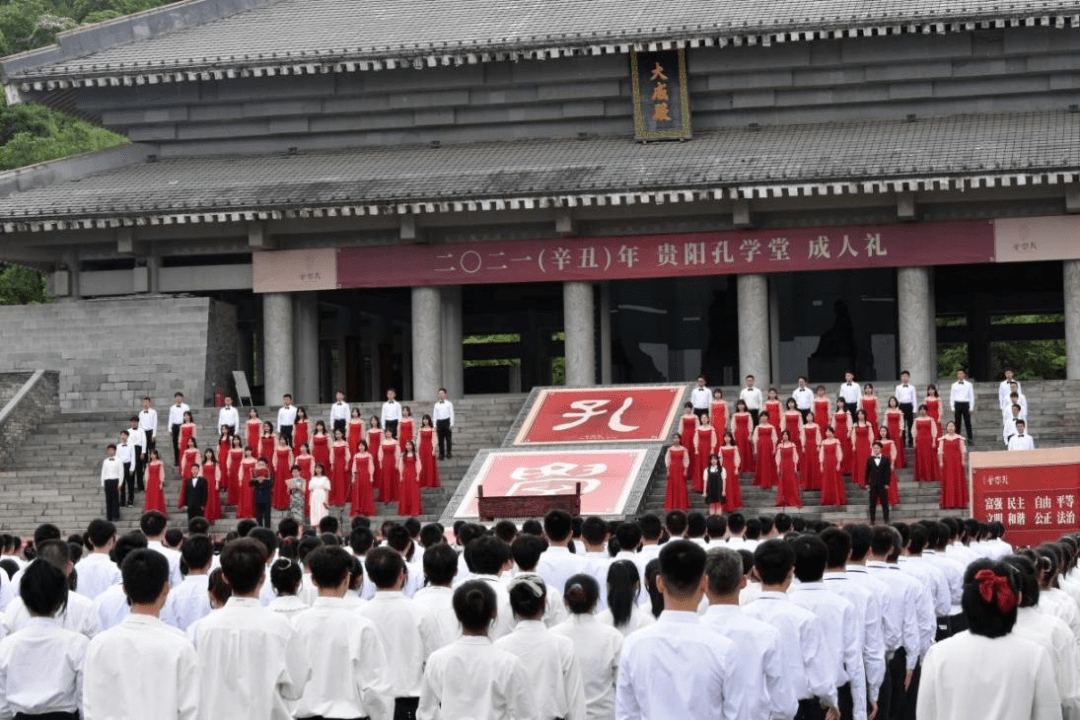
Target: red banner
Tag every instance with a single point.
(648, 256)
(1036, 503)
(606, 478)
(601, 415)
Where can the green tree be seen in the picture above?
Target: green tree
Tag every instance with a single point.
(22, 286)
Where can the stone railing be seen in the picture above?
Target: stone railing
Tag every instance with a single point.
(36, 400)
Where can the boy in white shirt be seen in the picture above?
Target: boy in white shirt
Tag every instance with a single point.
(97, 571)
(1021, 440)
(189, 600)
(286, 417)
(752, 397)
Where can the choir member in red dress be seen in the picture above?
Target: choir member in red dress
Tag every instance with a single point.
(730, 459)
(715, 485)
(189, 457)
(357, 431)
(301, 431)
(933, 407)
(894, 420)
(306, 462)
(705, 444)
(388, 468)
(374, 443)
(822, 406)
(688, 431)
(339, 470)
(765, 450)
(787, 460)
(841, 423)
(283, 462)
(224, 444)
(188, 430)
(254, 429)
(267, 443)
(211, 470)
(232, 482)
(245, 502)
(742, 425)
(363, 482)
(718, 411)
(861, 438)
(429, 464)
(405, 426)
(409, 474)
(832, 479)
(155, 485)
(677, 462)
(320, 445)
(868, 402)
(925, 432)
(811, 465)
(772, 408)
(890, 449)
(793, 422)
(952, 457)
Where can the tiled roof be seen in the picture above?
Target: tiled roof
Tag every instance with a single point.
(314, 36)
(826, 159)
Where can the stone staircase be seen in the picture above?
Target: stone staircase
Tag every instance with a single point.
(54, 475)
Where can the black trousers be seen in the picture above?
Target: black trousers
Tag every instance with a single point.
(323, 717)
(962, 413)
(127, 490)
(342, 425)
(262, 514)
(140, 467)
(112, 499)
(48, 716)
(810, 710)
(151, 441)
(845, 701)
(909, 417)
(754, 416)
(701, 411)
(884, 695)
(879, 495)
(897, 669)
(174, 430)
(405, 708)
(446, 438)
(911, 697)
(391, 427)
(285, 431)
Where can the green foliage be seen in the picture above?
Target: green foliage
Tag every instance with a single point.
(22, 286)
(1029, 359)
(34, 133)
(29, 24)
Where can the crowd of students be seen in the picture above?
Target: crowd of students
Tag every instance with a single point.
(684, 616)
(811, 441)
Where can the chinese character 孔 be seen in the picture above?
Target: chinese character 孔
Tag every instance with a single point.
(587, 409)
(721, 253)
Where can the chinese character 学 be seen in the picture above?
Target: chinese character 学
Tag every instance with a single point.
(660, 94)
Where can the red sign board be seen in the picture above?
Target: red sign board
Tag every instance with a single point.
(601, 415)
(606, 477)
(633, 257)
(1036, 503)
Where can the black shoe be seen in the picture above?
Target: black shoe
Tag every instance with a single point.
(441, 458)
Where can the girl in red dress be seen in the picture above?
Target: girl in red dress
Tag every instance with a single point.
(742, 425)
(155, 485)
(232, 479)
(787, 460)
(254, 429)
(718, 411)
(771, 407)
(409, 471)
(339, 469)
(889, 449)
(320, 445)
(283, 462)
(188, 458)
(862, 435)
(793, 422)
(306, 462)
(677, 462)
(388, 468)
(765, 449)
(374, 443)
(822, 406)
(356, 431)
(188, 431)
(363, 478)
(405, 427)
(811, 465)
(831, 457)
(715, 485)
(429, 465)
(925, 432)
(841, 423)
(224, 444)
(705, 442)
(730, 459)
(952, 457)
(868, 402)
(688, 424)
(245, 501)
(894, 420)
(267, 443)
(301, 431)
(211, 470)
(933, 407)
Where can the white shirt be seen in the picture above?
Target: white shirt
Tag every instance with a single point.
(349, 673)
(868, 606)
(804, 398)
(1008, 426)
(954, 576)
(176, 414)
(677, 669)
(850, 392)
(137, 438)
(96, 574)
(443, 410)
(841, 626)
(439, 601)
(970, 676)
(288, 606)
(391, 410)
(553, 669)
(919, 621)
(471, 678)
(41, 669)
(1021, 442)
(339, 411)
(752, 397)
(700, 397)
(78, 616)
(1054, 636)
(557, 565)
(148, 420)
(190, 601)
(173, 556)
(904, 394)
(934, 579)
(245, 640)
(111, 607)
(639, 618)
(1005, 390)
(159, 668)
(112, 468)
(597, 648)
(962, 391)
(286, 416)
(125, 453)
(409, 635)
(890, 604)
(768, 692)
(228, 415)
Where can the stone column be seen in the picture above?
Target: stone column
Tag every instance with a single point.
(277, 346)
(1072, 319)
(605, 333)
(427, 345)
(306, 347)
(754, 351)
(916, 336)
(580, 332)
(453, 368)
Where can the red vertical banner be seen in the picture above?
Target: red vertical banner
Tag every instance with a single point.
(1035, 502)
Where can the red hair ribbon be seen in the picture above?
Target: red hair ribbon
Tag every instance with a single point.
(991, 584)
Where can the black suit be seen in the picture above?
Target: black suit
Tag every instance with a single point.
(878, 475)
(196, 497)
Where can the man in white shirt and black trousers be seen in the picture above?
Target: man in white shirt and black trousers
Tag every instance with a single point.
(850, 391)
(962, 401)
(112, 474)
(228, 415)
(752, 397)
(339, 414)
(905, 397)
(286, 417)
(443, 415)
(148, 424)
(125, 453)
(804, 397)
(391, 412)
(137, 438)
(700, 397)
(176, 419)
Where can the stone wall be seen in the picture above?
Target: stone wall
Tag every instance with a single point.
(39, 404)
(110, 353)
